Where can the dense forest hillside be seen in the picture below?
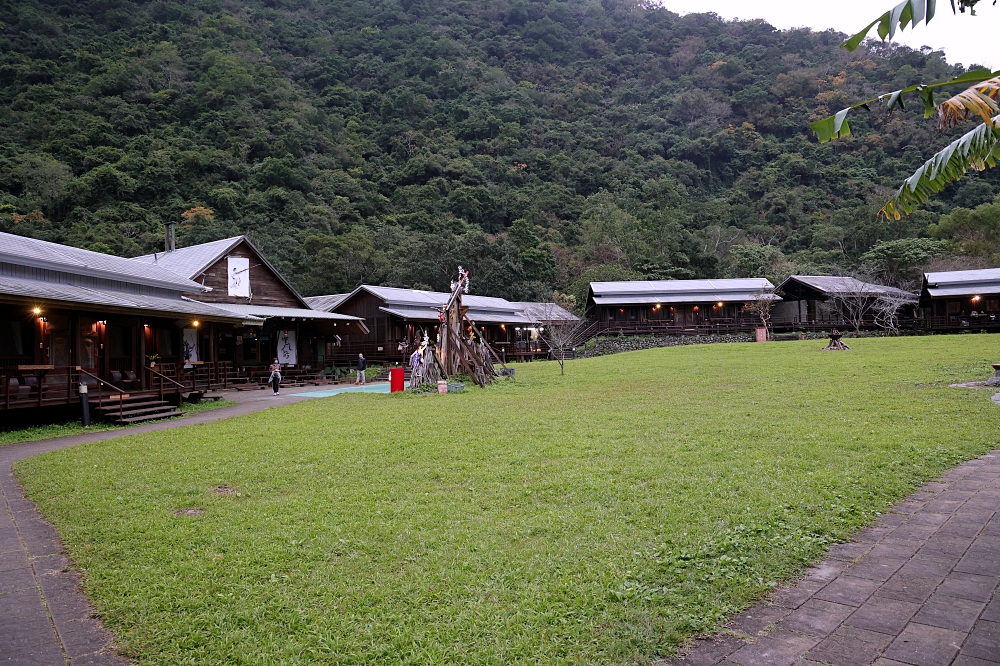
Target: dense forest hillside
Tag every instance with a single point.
(540, 144)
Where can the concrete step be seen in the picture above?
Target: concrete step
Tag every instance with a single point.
(149, 417)
(108, 407)
(128, 411)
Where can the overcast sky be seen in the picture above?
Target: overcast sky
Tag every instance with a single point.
(964, 39)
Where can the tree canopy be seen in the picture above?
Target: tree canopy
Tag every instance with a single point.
(535, 143)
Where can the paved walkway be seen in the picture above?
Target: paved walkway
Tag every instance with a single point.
(44, 617)
(919, 588)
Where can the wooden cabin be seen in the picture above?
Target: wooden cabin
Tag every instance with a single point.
(244, 283)
(171, 323)
(676, 306)
(70, 317)
(960, 300)
(810, 302)
(399, 318)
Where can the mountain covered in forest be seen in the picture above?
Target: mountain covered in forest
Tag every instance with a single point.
(539, 144)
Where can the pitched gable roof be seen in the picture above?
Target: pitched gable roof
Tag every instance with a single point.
(65, 259)
(325, 303)
(194, 260)
(420, 305)
(836, 285)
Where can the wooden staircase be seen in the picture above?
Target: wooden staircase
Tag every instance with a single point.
(135, 408)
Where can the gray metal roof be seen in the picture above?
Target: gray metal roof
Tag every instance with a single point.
(963, 283)
(420, 298)
(73, 296)
(642, 292)
(412, 313)
(420, 305)
(540, 312)
(834, 285)
(269, 312)
(325, 303)
(63, 258)
(190, 262)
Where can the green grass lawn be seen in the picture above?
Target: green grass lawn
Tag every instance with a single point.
(37, 432)
(599, 517)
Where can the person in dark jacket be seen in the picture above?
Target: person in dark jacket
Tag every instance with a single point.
(361, 370)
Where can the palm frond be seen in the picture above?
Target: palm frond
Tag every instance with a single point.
(977, 150)
(979, 100)
(836, 125)
(908, 12)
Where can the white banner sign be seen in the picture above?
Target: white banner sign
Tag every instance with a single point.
(239, 277)
(190, 344)
(287, 353)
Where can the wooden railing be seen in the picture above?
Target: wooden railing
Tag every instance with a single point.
(160, 380)
(100, 397)
(60, 386)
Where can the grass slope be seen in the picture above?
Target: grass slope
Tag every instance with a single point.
(598, 517)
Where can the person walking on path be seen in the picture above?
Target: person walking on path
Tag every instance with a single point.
(275, 379)
(361, 369)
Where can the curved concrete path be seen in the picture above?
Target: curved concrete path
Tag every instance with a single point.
(919, 588)
(45, 619)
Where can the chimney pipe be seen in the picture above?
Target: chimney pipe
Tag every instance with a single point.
(170, 237)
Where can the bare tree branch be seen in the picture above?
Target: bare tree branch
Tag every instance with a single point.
(559, 329)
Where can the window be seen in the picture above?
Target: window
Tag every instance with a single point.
(58, 331)
(12, 338)
(166, 346)
(119, 341)
(87, 357)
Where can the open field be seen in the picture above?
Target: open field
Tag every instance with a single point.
(598, 517)
(36, 432)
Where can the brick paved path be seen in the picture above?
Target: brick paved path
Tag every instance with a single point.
(918, 588)
(44, 617)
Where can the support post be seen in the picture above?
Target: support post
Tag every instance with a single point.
(84, 405)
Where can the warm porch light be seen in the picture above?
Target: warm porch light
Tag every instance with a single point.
(37, 311)
(719, 304)
(975, 299)
(196, 323)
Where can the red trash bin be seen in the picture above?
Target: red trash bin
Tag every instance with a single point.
(395, 380)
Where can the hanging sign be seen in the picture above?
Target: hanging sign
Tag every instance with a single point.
(190, 345)
(287, 352)
(239, 277)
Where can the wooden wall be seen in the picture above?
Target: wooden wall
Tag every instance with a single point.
(266, 286)
(385, 328)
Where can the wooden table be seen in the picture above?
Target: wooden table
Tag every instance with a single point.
(39, 370)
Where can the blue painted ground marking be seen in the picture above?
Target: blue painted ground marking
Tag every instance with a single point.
(373, 388)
